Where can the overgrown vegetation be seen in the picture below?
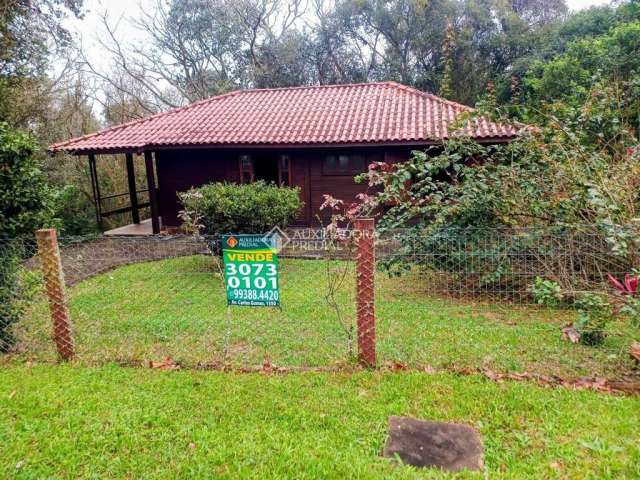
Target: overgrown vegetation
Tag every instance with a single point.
(248, 208)
(575, 169)
(26, 201)
(9, 310)
(568, 187)
(26, 204)
(594, 313)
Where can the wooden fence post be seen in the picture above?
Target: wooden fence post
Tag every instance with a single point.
(54, 283)
(365, 295)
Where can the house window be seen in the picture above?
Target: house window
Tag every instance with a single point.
(284, 169)
(246, 169)
(343, 164)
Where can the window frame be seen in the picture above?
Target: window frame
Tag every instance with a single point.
(284, 173)
(246, 170)
(344, 173)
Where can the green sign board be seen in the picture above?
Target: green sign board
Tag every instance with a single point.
(250, 271)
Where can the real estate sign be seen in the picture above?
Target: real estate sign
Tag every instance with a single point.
(250, 271)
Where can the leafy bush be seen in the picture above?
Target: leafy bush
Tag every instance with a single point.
(594, 313)
(572, 181)
(25, 205)
(546, 292)
(248, 208)
(26, 201)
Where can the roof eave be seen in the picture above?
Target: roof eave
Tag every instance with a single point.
(302, 146)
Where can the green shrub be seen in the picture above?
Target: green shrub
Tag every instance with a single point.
(248, 208)
(26, 204)
(26, 201)
(594, 313)
(546, 292)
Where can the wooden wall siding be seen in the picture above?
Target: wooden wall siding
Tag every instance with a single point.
(178, 170)
(339, 186)
(398, 154)
(344, 187)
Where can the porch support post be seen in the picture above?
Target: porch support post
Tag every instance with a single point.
(95, 187)
(133, 194)
(151, 186)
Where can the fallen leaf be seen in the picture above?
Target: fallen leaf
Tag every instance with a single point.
(166, 364)
(519, 376)
(589, 383)
(625, 387)
(267, 368)
(398, 366)
(492, 375)
(571, 334)
(463, 370)
(635, 351)
(556, 465)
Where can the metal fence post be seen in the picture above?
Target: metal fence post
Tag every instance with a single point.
(54, 283)
(365, 300)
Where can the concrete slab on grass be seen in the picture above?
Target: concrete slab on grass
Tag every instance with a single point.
(449, 446)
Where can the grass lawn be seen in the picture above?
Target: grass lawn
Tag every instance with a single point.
(113, 422)
(177, 308)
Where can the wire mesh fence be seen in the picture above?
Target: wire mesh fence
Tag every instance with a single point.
(502, 264)
(136, 300)
(507, 299)
(458, 298)
(20, 281)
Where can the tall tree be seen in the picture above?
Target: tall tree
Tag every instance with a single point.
(31, 31)
(199, 48)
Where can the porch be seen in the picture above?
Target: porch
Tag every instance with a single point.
(144, 228)
(134, 200)
(154, 182)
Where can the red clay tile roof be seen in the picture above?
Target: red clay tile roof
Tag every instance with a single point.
(357, 114)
